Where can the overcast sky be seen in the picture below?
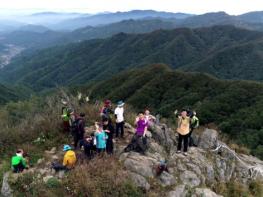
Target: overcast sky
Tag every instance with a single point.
(94, 6)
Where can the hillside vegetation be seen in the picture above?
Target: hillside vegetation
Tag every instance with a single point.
(35, 126)
(223, 51)
(235, 106)
(8, 94)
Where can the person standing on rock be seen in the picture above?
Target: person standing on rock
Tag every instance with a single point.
(183, 129)
(101, 138)
(119, 115)
(78, 129)
(18, 162)
(66, 117)
(87, 145)
(107, 126)
(194, 125)
(106, 111)
(149, 117)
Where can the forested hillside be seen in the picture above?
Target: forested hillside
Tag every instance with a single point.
(193, 50)
(235, 106)
(8, 94)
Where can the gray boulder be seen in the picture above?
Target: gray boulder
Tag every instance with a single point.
(167, 179)
(208, 139)
(180, 191)
(140, 181)
(139, 164)
(6, 190)
(190, 178)
(204, 192)
(163, 136)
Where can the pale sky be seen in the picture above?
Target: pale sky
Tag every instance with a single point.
(94, 6)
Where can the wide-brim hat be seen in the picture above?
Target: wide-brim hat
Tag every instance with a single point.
(120, 103)
(66, 147)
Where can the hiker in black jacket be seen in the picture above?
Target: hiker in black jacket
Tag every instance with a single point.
(78, 129)
(107, 126)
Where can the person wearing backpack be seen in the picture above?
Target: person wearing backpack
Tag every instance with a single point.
(78, 129)
(194, 125)
(18, 162)
(119, 115)
(106, 111)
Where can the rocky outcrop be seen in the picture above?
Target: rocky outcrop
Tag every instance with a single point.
(208, 139)
(140, 181)
(6, 190)
(206, 165)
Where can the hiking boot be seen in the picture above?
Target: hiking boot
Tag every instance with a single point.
(178, 152)
(185, 153)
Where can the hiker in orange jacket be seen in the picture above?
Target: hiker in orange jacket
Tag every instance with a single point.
(183, 130)
(69, 160)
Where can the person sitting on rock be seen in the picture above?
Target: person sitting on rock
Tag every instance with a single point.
(183, 129)
(101, 138)
(162, 166)
(139, 140)
(18, 162)
(69, 160)
(141, 124)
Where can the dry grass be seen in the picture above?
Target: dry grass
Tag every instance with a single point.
(101, 177)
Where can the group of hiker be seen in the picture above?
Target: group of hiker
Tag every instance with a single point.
(101, 141)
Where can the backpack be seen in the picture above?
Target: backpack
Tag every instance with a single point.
(75, 126)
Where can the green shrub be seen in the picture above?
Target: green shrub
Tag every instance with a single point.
(53, 183)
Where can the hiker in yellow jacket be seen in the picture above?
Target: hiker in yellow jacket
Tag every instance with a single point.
(69, 160)
(183, 129)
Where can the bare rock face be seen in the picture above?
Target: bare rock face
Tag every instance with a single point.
(140, 181)
(140, 164)
(190, 178)
(204, 192)
(179, 191)
(206, 165)
(6, 190)
(208, 139)
(167, 179)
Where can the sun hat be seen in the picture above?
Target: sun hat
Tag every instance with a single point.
(66, 147)
(120, 103)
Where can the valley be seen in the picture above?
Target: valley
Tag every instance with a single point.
(8, 53)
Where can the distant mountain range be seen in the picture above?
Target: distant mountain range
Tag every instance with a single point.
(223, 51)
(104, 19)
(114, 23)
(252, 20)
